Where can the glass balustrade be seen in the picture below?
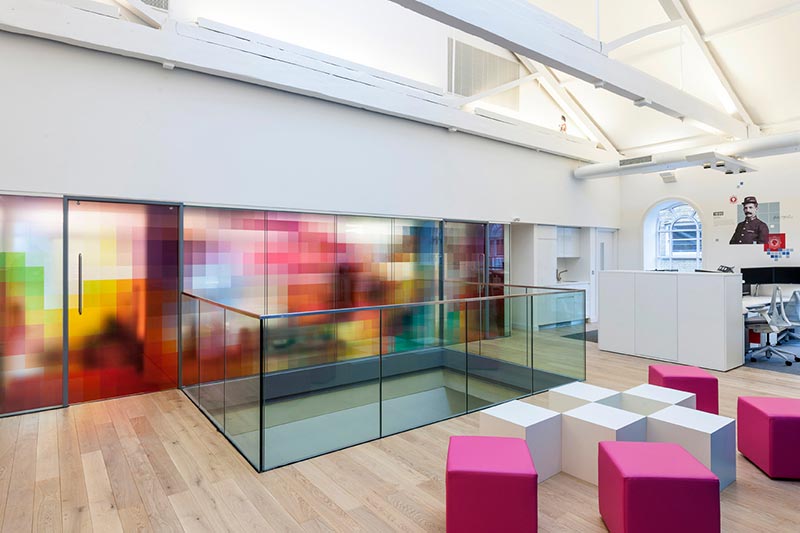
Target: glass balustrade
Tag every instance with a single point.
(290, 386)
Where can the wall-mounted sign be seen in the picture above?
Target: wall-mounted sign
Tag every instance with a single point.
(751, 229)
(775, 247)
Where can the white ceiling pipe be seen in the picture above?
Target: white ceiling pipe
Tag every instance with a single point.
(756, 147)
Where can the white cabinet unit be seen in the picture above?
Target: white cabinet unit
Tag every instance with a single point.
(693, 318)
(569, 242)
(544, 255)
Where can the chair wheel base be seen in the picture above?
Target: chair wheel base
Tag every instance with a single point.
(796, 359)
(788, 363)
(752, 359)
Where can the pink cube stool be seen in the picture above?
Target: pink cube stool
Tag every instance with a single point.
(769, 434)
(688, 379)
(491, 485)
(655, 487)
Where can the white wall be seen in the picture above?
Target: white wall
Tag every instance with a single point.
(709, 191)
(87, 123)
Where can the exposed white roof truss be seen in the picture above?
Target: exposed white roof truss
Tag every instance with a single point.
(676, 11)
(263, 61)
(461, 102)
(529, 31)
(779, 12)
(567, 103)
(641, 34)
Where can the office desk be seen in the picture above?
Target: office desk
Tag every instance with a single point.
(751, 302)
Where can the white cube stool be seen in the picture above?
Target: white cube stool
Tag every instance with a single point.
(583, 428)
(647, 399)
(540, 427)
(710, 438)
(575, 394)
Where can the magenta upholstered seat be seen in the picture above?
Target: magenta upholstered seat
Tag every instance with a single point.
(769, 434)
(656, 487)
(689, 379)
(491, 485)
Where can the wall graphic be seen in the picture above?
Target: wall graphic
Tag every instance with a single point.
(761, 224)
(751, 228)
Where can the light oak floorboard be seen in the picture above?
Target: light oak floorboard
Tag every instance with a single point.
(154, 462)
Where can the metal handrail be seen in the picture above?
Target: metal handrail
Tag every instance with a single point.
(222, 305)
(380, 307)
(547, 287)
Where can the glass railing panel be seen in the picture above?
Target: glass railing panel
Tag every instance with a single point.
(558, 329)
(424, 384)
(190, 326)
(211, 366)
(321, 386)
(498, 366)
(242, 393)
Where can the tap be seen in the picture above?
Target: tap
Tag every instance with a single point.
(558, 274)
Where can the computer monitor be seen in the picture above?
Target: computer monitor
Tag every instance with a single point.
(786, 275)
(758, 275)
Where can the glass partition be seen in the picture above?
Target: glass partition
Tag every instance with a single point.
(190, 327)
(211, 361)
(31, 303)
(289, 386)
(558, 330)
(242, 388)
(427, 384)
(318, 398)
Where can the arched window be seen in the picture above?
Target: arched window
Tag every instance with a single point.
(679, 238)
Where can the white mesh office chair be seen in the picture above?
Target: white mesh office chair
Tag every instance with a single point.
(772, 319)
(792, 312)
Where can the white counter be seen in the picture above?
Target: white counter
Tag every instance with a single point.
(693, 318)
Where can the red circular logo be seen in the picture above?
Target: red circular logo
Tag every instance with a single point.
(733, 199)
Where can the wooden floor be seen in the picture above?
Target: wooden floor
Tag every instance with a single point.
(153, 462)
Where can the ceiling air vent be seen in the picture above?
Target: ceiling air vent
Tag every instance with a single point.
(160, 4)
(635, 160)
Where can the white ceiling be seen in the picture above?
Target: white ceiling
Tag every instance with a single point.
(759, 57)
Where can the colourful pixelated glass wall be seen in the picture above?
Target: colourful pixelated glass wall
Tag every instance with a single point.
(316, 262)
(225, 256)
(31, 340)
(496, 322)
(465, 264)
(123, 300)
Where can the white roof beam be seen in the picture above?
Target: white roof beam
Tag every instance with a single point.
(675, 8)
(527, 30)
(461, 102)
(567, 103)
(98, 8)
(149, 15)
(641, 34)
(675, 144)
(189, 47)
(756, 20)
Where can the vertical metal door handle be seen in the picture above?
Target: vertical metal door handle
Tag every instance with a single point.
(80, 284)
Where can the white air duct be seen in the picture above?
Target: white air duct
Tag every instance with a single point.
(751, 148)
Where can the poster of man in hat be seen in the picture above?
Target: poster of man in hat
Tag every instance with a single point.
(751, 230)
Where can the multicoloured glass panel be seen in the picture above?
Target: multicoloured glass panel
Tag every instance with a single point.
(225, 256)
(31, 316)
(465, 263)
(496, 323)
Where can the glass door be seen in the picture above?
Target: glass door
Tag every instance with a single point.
(122, 267)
